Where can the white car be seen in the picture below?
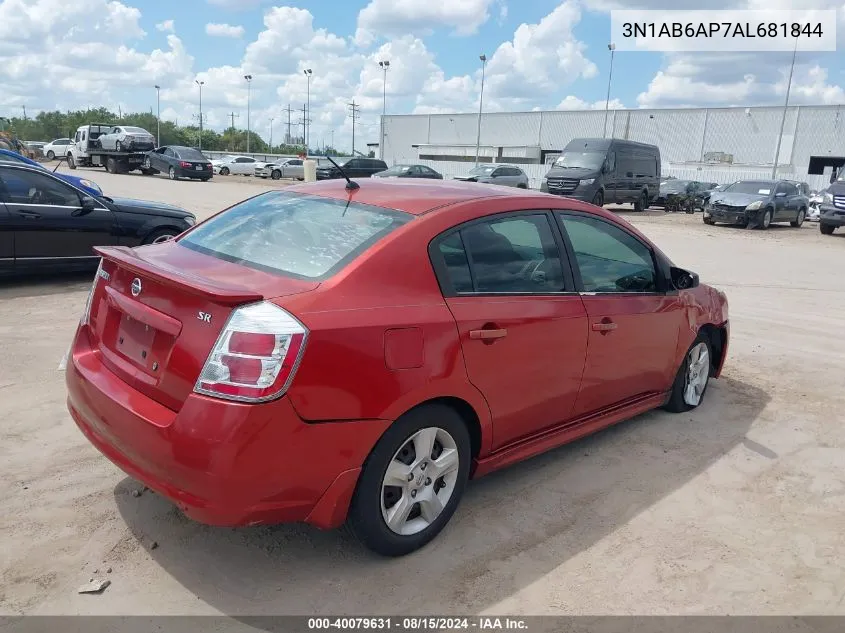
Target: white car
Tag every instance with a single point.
(242, 165)
(55, 148)
(813, 213)
(125, 138)
(284, 168)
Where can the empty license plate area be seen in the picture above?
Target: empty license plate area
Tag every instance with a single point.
(135, 340)
(198, 167)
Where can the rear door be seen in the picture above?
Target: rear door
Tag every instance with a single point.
(243, 165)
(611, 180)
(782, 202)
(48, 219)
(156, 161)
(523, 328)
(634, 323)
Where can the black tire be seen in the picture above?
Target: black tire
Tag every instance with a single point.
(522, 186)
(799, 219)
(157, 236)
(764, 223)
(676, 402)
(598, 200)
(224, 171)
(641, 204)
(707, 221)
(111, 165)
(826, 229)
(118, 146)
(205, 179)
(51, 155)
(71, 163)
(366, 521)
(276, 175)
(171, 173)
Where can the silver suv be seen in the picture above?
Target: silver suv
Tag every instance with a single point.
(507, 175)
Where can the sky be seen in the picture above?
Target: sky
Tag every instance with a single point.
(542, 55)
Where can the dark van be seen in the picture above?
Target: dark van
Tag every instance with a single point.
(606, 171)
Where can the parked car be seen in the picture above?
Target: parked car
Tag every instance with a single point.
(178, 162)
(88, 186)
(36, 147)
(757, 203)
(409, 171)
(683, 195)
(506, 175)
(816, 200)
(606, 171)
(284, 168)
(240, 165)
(125, 138)
(46, 224)
(832, 208)
(57, 147)
(270, 366)
(353, 166)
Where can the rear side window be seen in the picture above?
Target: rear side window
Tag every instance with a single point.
(188, 153)
(302, 236)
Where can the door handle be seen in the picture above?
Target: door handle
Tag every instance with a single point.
(604, 326)
(487, 335)
(29, 215)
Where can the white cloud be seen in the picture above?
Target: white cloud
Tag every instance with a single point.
(167, 26)
(393, 18)
(572, 102)
(224, 30)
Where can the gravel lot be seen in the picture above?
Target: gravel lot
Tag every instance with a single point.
(736, 508)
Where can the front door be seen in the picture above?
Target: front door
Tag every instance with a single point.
(48, 219)
(611, 178)
(523, 329)
(634, 323)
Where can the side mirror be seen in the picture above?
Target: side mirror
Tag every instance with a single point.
(88, 203)
(683, 279)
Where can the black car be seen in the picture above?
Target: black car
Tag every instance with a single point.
(354, 166)
(409, 171)
(832, 208)
(178, 162)
(757, 203)
(683, 193)
(48, 224)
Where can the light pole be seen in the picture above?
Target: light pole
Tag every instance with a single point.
(200, 84)
(158, 115)
(308, 72)
(783, 118)
(271, 134)
(483, 59)
(248, 94)
(384, 66)
(612, 48)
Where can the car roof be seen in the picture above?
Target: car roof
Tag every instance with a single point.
(412, 196)
(20, 158)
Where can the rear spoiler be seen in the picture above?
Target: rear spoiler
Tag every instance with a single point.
(129, 259)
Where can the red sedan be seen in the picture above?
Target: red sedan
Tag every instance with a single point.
(325, 353)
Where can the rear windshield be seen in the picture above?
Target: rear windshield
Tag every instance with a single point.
(302, 236)
(190, 154)
(135, 130)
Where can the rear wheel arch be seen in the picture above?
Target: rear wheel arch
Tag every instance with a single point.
(717, 337)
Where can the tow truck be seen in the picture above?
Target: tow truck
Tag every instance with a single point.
(86, 151)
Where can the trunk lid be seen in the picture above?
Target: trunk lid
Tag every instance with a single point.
(157, 311)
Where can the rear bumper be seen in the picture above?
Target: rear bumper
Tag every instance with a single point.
(222, 463)
(193, 173)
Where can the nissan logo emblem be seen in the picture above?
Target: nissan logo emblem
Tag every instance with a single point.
(136, 287)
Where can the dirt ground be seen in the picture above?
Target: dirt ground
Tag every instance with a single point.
(735, 508)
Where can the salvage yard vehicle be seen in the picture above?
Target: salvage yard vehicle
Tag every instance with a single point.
(125, 138)
(832, 208)
(606, 171)
(505, 175)
(87, 150)
(88, 186)
(241, 165)
(409, 171)
(269, 365)
(757, 203)
(178, 162)
(814, 210)
(353, 166)
(46, 224)
(293, 168)
(57, 147)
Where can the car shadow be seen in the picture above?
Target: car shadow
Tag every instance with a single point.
(38, 285)
(514, 526)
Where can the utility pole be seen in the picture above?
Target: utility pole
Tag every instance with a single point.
(271, 133)
(308, 72)
(200, 84)
(24, 113)
(305, 123)
(354, 113)
(483, 59)
(200, 117)
(248, 97)
(288, 138)
(158, 115)
(232, 115)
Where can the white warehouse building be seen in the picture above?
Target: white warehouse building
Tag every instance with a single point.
(707, 144)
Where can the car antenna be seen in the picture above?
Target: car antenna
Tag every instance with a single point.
(350, 184)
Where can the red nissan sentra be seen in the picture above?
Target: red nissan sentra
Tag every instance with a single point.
(330, 353)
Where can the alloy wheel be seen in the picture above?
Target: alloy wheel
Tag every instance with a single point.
(419, 481)
(697, 375)
(163, 238)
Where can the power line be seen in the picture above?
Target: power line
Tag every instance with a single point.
(354, 114)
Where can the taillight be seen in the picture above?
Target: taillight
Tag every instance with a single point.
(184, 164)
(255, 356)
(86, 312)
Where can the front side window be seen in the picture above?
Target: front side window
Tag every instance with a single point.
(513, 255)
(28, 187)
(302, 236)
(610, 260)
